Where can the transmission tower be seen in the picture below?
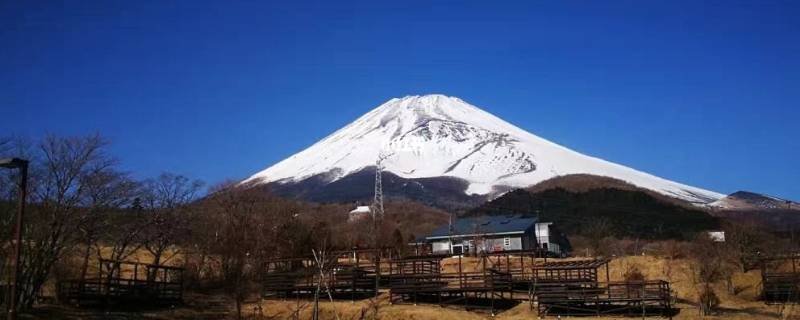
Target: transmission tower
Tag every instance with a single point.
(377, 212)
(377, 203)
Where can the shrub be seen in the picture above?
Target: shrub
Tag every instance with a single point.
(708, 300)
(633, 273)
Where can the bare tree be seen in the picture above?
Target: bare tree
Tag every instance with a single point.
(709, 265)
(58, 187)
(325, 264)
(107, 192)
(746, 240)
(120, 238)
(237, 213)
(398, 242)
(597, 229)
(166, 202)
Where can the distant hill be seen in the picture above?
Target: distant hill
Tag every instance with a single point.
(746, 200)
(779, 215)
(582, 183)
(578, 202)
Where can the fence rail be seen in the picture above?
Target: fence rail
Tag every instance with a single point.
(125, 282)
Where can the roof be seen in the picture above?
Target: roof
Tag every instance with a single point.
(485, 225)
(361, 209)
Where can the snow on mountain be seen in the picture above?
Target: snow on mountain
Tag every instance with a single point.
(437, 135)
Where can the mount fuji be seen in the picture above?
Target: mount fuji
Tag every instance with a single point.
(437, 143)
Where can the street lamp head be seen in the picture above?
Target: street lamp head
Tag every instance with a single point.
(13, 163)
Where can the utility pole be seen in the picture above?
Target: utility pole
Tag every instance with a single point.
(22, 165)
(450, 232)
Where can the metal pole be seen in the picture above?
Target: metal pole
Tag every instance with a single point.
(23, 186)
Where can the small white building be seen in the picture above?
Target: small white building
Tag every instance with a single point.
(359, 213)
(717, 236)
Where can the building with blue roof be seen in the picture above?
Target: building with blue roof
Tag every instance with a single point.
(497, 233)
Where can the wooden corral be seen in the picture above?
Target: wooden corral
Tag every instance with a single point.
(415, 265)
(129, 283)
(573, 287)
(780, 278)
(517, 262)
(569, 272)
(557, 287)
(352, 274)
(497, 281)
(632, 298)
(475, 289)
(530, 270)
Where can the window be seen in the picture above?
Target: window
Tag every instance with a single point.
(506, 242)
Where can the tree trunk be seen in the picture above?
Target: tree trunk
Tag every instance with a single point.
(151, 276)
(315, 313)
(238, 307)
(85, 263)
(157, 257)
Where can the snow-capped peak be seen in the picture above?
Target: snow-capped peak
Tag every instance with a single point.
(436, 135)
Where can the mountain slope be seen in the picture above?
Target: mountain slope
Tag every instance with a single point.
(745, 200)
(778, 214)
(581, 183)
(619, 212)
(441, 192)
(438, 136)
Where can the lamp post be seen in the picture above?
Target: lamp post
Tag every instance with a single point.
(22, 165)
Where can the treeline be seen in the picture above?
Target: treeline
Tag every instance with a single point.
(607, 211)
(83, 208)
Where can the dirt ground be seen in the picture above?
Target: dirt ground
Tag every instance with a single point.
(741, 305)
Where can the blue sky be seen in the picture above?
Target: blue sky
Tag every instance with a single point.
(704, 93)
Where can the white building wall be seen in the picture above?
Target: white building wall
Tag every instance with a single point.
(441, 246)
(542, 231)
(717, 236)
(494, 244)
